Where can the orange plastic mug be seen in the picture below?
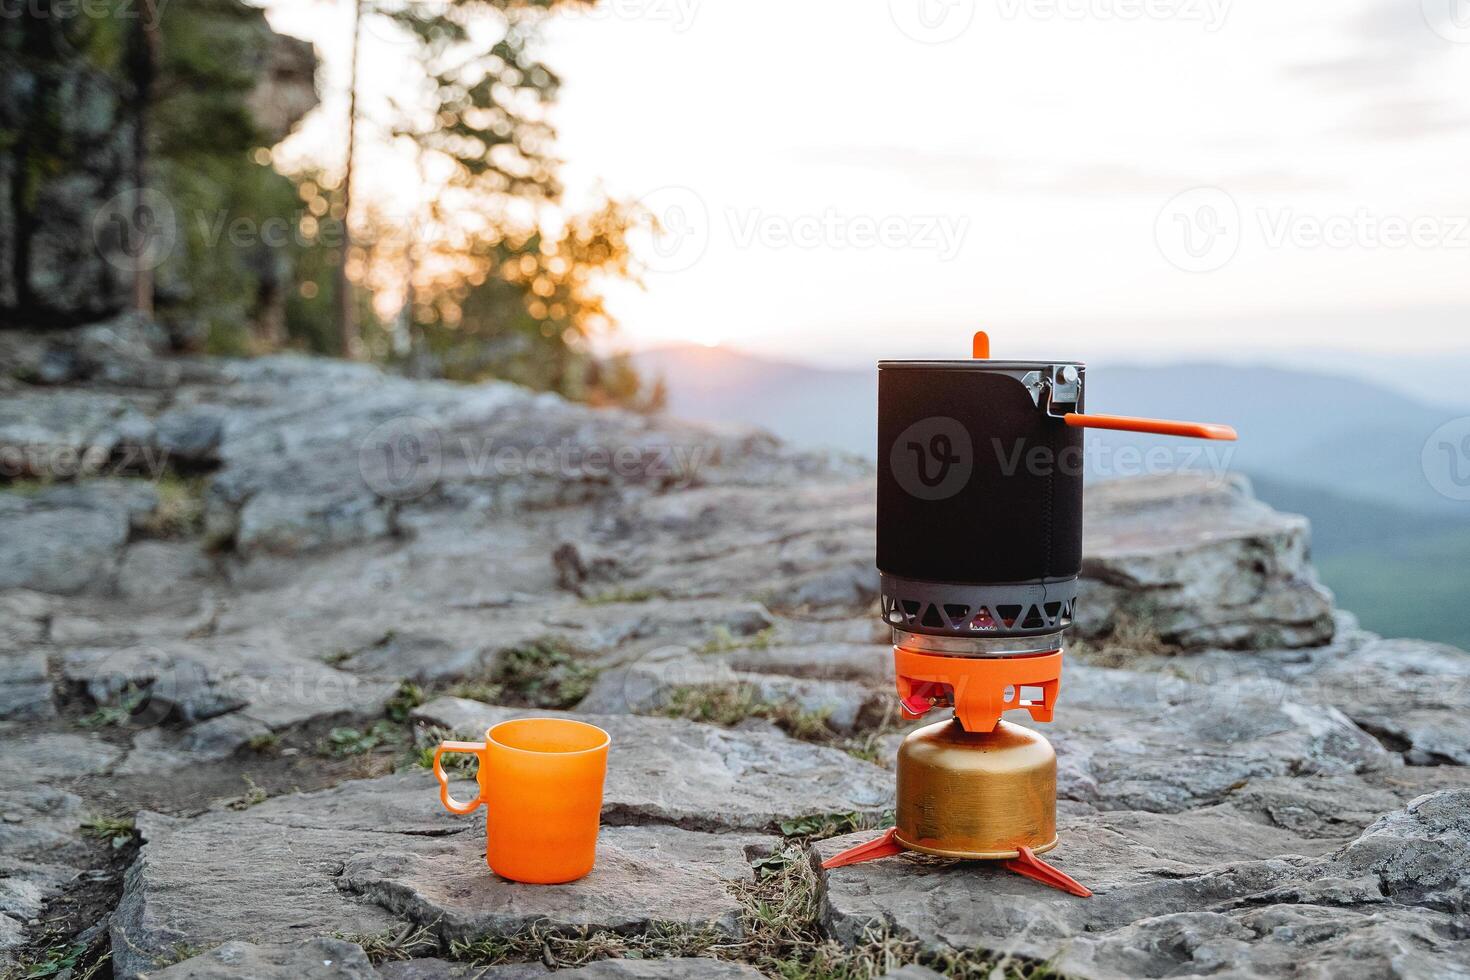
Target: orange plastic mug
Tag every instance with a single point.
(541, 783)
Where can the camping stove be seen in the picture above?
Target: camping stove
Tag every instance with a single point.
(979, 553)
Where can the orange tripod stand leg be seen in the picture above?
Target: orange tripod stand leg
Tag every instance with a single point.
(1033, 867)
(880, 847)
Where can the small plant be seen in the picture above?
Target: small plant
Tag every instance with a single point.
(798, 722)
(254, 795)
(343, 742)
(1132, 637)
(264, 743)
(118, 830)
(180, 508)
(409, 696)
(721, 640)
(179, 952)
(382, 947)
(615, 596)
(338, 657)
(716, 705)
(51, 962)
(544, 675)
(481, 691)
(573, 948)
(867, 749)
(731, 704)
(820, 826)
(129, 700)
(453, 762)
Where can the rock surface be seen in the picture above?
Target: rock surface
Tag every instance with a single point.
(1252, 785)
(1172, 903)
(702, 777)
(316, 959)
(1202, 563)
(367, 858)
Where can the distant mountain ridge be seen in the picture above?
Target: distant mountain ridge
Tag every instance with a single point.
(1339, 434)
(1342, 451)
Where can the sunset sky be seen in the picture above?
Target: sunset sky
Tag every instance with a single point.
(1140, 177)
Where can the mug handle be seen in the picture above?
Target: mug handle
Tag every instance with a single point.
(450, 803)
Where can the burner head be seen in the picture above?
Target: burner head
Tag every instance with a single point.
(979, 679)
(976, 795)
(979, 496)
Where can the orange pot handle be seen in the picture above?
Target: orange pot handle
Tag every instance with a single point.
(450, 803)
(1162, 427)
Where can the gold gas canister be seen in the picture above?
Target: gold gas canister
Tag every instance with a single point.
(979, 559)
(976, 795)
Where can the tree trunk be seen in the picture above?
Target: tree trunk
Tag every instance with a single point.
(146, 44)
(346, 307)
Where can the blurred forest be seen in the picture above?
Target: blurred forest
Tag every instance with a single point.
(137, 174)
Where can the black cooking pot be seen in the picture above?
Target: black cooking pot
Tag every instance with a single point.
(980, 466)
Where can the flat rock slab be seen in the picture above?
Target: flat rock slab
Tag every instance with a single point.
(1413, 694)
(316, 959)
(372, 856)
(1128, 740)
(25, 687)
(220, 691)
(1134, 740)
(59, 546)
(30, 759)
(37, 820)
(648, 687)
(645, 877)
(1201, 562)
(666, 770)
(225, 877)
(1190, 895)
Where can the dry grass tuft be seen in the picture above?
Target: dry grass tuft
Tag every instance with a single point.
(1131, 639)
